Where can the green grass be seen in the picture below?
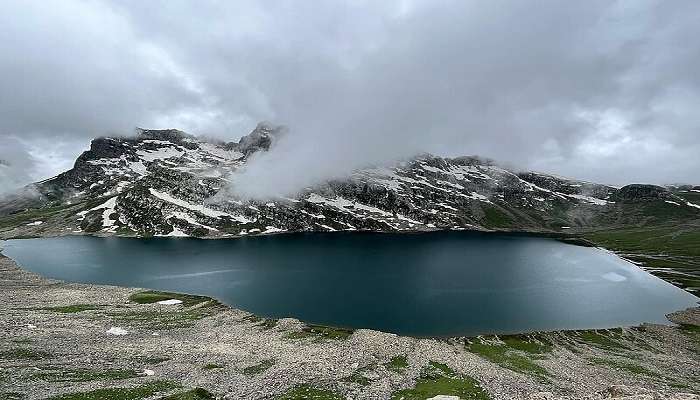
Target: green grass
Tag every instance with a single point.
(268, 323)
(194, 394)
(154, 296)
(306, 392)
(84, 375)
(624, 366)
(359, 375)
(73, 308)
(397, 364)
(134, 393)
(43, 214)
(264, 323)
(259, 368)
(670, 240)
(532, 345)
(515, 354)
(170, 317)
(23, 353)
(212, 366)
(494, 217)
(603, 339)
(436, 379)
(321, 332)
(662, 249)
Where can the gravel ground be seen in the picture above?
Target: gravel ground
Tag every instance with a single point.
(216, 349)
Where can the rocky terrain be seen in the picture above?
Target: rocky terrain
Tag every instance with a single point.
(87, 342)
(75, 341)
(168, 183)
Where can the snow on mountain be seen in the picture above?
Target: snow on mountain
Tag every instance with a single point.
(168, 183)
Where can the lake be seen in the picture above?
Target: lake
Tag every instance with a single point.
(429, 284)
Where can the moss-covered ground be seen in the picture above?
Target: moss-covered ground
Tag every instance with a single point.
(517, 353)
(439, 379)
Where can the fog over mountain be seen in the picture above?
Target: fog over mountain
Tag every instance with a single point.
(599, 90)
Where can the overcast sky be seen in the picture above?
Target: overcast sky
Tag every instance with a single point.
(598, 90)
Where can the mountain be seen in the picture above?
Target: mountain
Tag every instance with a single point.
(169, 183)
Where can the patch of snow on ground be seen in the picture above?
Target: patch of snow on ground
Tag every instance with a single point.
(35, 223)
(186, 217)
(692, 205)
(480, 197)
(672, 202)
(220, 152)
(109, 210)
(118, 331)
(589, 199)
(170, 302)
(160, 154)
(176, 233)
(138, 167)
(432, 169)
(327, 227)
(209, 212)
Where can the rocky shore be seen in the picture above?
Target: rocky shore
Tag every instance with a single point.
(76, 341)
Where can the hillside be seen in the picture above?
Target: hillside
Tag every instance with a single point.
(169, 183)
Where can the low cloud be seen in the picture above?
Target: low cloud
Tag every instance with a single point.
(604, 91)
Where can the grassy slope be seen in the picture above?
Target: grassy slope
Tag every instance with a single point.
(670, 251)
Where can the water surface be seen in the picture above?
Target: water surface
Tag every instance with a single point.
(433, 284)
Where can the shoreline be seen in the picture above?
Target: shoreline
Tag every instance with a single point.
(668, 322)
(355, 364)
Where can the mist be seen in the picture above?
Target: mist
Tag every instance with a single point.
(602, 91)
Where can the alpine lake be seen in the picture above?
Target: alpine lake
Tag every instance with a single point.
(430, 284)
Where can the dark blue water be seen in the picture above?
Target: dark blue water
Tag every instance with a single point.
(436, 284)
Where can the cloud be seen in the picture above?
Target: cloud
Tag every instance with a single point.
(605, 91)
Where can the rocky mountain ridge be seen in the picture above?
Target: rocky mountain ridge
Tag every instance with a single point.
(169, 183)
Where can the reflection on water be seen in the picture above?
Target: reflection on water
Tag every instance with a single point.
(448, 283)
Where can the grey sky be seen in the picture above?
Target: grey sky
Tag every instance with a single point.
(598, 90)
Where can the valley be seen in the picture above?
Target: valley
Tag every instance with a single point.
(73, 341)
(82, 341)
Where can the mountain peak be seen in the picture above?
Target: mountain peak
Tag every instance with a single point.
(169, 135)
(261, 138)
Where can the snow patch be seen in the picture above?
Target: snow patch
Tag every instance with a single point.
(160, 154)
(209, 212)
(692, 205)
(170, 302)
(273, 229)
(118, 331)
(589, 199)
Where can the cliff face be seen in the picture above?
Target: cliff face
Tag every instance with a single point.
(166, 182)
